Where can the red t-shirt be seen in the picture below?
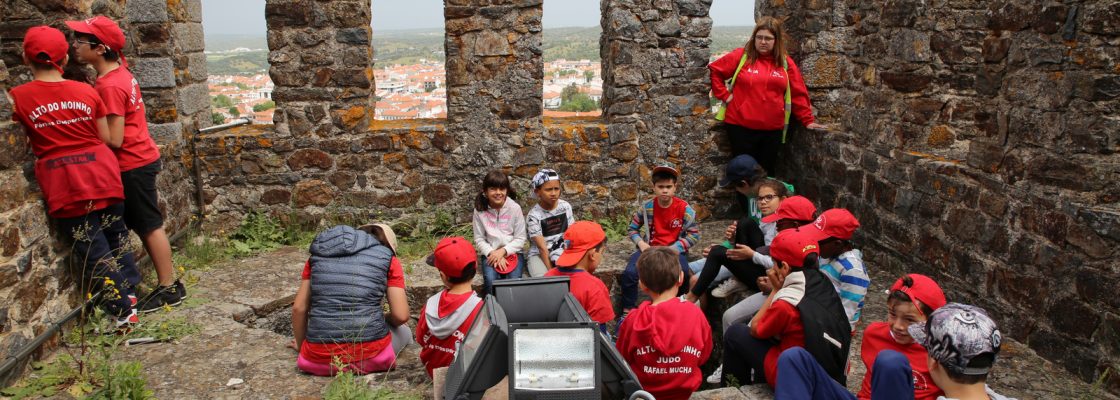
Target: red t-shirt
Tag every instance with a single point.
(665, 344)
(590, 291)
(75, 169)
(324, 353)
(782, 319)
(121, 94)
(668, 222)
(876, 338)
(434, 351)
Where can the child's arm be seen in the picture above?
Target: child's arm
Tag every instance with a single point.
(634, 231)
(764, 260)
(479, 229)
(690, 232)
(519, 239)
(300, 307)
(543, 247)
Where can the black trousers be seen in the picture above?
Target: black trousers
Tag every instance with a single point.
(762, 145)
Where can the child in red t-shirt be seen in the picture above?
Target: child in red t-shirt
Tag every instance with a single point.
(78, 174)
(357, 268)
(584, 252)
(99, 42)
(669, 221)
(667, 339)
(448, 315)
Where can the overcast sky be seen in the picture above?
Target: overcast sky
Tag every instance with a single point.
(247, 16)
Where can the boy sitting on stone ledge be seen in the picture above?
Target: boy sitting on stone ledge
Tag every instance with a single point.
(448, 315)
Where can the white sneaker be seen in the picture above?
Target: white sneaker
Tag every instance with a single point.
(726, 288)
(716, 375)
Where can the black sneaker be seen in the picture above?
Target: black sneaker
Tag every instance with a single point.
(181, 289)
(158, 298)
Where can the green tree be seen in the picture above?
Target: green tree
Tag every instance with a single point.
(217, 118)
(221, 101)
(579, 102)
(567, 93)
(267, 105)
(589, 74)
(233, 111)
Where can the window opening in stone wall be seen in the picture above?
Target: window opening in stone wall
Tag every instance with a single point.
(573, 79)
(408, 59)
(237, 61)
(732, 23)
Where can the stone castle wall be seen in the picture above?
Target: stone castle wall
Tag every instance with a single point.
(321, 160)
(979, 146)
(165, 52)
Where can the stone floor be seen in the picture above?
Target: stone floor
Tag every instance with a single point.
(238, 353)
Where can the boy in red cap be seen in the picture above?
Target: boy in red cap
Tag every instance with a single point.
(669, 221)
(804, 312)
(583, 252)
(667, 339)
(841, 263)
(449, 314)
(793, 212)
(78, 174)
(99, 42)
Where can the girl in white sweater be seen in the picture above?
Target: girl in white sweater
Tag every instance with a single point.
(499, 230)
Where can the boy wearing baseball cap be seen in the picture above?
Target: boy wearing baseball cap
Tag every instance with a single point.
(962, 342)
(77, 172)
(449, 314)
(804, 312)
(668, 221)
(841, 263)
(667, 339)
(99, 42)
(583, 251)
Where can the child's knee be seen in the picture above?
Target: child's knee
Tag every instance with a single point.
(890, 360)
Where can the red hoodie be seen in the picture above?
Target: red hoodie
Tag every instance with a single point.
(759, 101)
(665, 344)
(876, 338)
(443, 324)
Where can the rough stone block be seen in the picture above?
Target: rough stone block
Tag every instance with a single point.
(188, 36)
(166, 133)
(147, 10)
(153, 73)
(193, 98)
(196, 68)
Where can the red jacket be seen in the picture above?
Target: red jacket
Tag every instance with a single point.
(442, 326)
(665, 344)
(759, 101)
(876, 338)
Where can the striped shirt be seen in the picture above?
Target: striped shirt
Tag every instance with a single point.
(848, 275)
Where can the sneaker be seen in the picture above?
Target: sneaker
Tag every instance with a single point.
(728, 287)
(125, 323)
(181, 289)
(132, 300)
(714, 378)
(160, 297)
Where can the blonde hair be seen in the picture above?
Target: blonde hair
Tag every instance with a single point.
(773, 25)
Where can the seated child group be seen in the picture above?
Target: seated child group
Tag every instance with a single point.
(808, 286)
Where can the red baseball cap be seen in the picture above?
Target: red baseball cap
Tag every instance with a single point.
(42, 40)
(105, 29)
(791, 246)
(837, 222)
(924, 290)
(452, 256)
(797, 208)
(578, 239)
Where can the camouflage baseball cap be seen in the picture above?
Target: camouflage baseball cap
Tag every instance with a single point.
(957, 333)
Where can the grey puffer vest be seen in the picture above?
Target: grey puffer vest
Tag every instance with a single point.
(349, 270)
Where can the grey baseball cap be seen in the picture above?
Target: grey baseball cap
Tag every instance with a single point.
(957, 333)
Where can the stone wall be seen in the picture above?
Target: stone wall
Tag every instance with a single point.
(979, 146)
(165, 51)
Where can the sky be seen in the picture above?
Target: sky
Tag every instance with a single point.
(246, 17)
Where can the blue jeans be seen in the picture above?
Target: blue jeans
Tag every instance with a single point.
(801, 377)
(98, 239)
(629, 280)
(489, 274)
(698, 265)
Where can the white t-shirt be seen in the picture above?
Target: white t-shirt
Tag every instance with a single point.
(551, 224)
(991, 395)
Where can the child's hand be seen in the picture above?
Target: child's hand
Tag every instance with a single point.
(776, 279)
(497, 256)
(740, 252)
(764, 284)
(729, 234)
(642, 245)
(707, 250)
(292, 345)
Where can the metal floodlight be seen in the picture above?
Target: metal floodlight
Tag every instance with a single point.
(532, 299)
(554, 358)
(480, 361)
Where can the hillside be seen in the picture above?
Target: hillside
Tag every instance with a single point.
(409, 46)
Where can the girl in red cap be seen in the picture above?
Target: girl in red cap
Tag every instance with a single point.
(78, 174)
(99, 42)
